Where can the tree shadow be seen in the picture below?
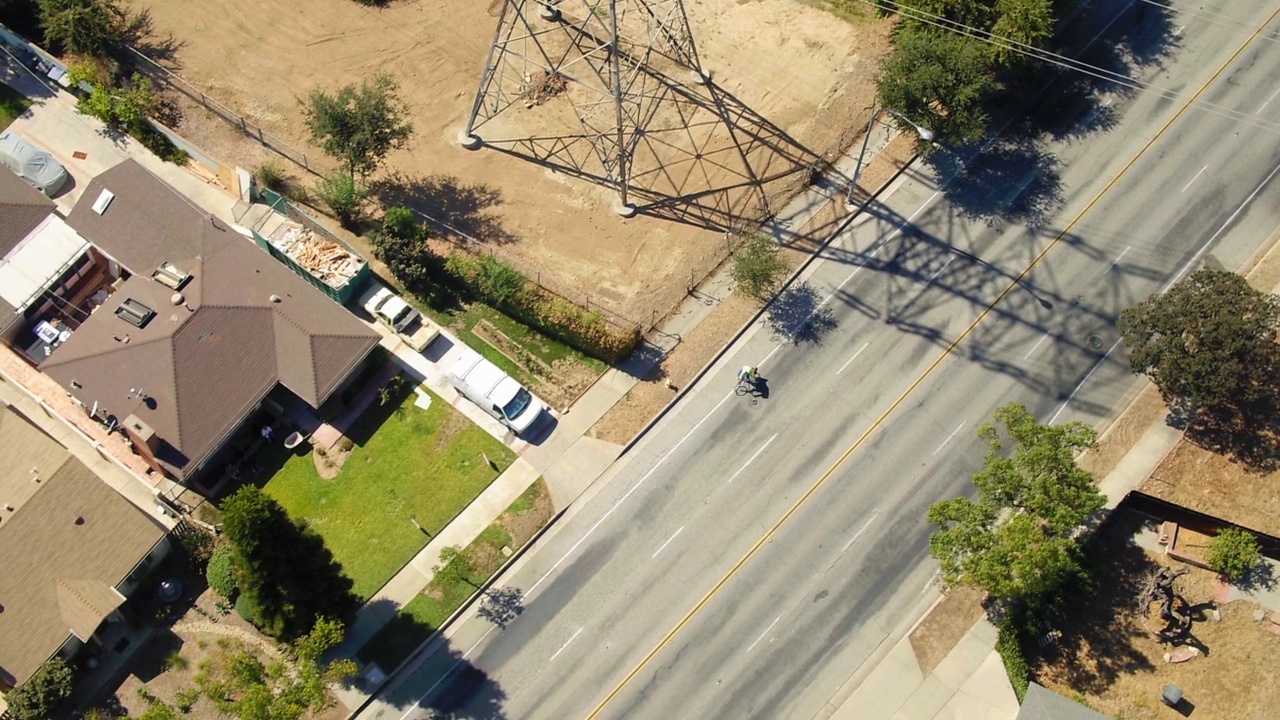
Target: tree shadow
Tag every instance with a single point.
(139, 32)
(1099, 625)
(453, 208)
(1249, 437)
(501, 605)
(797, 315)
(1260, 579)
(446, 685)
(1009, 180)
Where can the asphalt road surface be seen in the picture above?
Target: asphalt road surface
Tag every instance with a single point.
(750, 555)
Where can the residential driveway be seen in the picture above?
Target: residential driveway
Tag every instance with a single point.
(83, 146)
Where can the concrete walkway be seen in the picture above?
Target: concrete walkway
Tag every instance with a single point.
(970, 682)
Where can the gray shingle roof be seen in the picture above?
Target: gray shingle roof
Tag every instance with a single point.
(1044, 704)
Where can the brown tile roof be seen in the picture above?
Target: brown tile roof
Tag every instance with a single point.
(62, 553)
(198, 368)
(22, 207)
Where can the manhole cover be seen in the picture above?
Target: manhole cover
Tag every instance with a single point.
(1095, 342)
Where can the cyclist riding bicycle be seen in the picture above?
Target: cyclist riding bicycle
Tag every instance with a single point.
(749, 374)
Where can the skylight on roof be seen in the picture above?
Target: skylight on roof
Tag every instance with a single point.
(171, 276)
(104, 200)
(135, 313)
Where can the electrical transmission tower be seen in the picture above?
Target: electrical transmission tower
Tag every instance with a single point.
(612, 90)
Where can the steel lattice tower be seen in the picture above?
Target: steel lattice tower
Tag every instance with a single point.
(630, 72)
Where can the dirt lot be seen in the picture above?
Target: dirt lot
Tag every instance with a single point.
(806, 72)
(1107, 659)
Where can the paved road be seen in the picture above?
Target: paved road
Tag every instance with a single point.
(781, 633)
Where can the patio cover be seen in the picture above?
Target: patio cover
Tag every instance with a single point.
(32, 266)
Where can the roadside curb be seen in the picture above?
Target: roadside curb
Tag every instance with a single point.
(729, 345)
(438, 635)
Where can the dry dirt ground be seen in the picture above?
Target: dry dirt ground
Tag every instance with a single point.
(805, 76)
(1212, 484)
(719, 327)
(1108, 660)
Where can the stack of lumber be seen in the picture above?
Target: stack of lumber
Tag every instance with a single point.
(322, 257)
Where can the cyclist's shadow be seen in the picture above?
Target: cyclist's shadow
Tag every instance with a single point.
(761, 389)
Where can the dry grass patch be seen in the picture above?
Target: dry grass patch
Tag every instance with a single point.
(1106, 658)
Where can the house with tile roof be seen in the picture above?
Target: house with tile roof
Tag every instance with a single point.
(71, 549)
(204, 331)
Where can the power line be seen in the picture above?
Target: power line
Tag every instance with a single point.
(1066, 62)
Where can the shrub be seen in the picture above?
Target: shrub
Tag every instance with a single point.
(758, 266)
(588, 331)
(344, 196)
(247, 609)
(221, 572)
(198, 546)
(176, 661)
(271, 175)
(43, 693)
(402, 224)
(186, 699)
(1233, 553)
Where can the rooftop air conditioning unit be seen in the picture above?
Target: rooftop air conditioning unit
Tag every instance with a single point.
(135, 313)
(171, 276)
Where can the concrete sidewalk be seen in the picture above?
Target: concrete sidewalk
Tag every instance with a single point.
(970, 682)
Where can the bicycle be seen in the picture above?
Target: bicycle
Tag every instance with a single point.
(746, 387)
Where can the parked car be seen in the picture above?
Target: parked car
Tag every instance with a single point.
(391, 310)
(32, 164)
(484, 384)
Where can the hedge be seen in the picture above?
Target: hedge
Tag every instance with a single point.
(1009, 645)
(507, 290)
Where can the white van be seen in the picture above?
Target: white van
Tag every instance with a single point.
(484, 384)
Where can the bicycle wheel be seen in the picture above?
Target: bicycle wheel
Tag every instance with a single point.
(742, 389)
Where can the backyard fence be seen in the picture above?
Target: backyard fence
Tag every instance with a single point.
(233, 118)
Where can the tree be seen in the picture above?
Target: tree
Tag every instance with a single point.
(1234, 553)
(758, 266)
(1028, 22)
(401, 243)
(43, 693)
(359, 126)
(285, 572)
(344, 196)
(84, 27)
(1017, 540)
(939, 79)
(454, 566)
(221, 572)
(286, 688)
(1208, 342)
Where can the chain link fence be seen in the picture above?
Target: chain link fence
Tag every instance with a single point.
(172, 80)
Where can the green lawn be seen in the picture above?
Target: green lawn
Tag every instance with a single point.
(408, 464)
(447, 592)
(427, 612)
(462, 321)
(12, 104)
